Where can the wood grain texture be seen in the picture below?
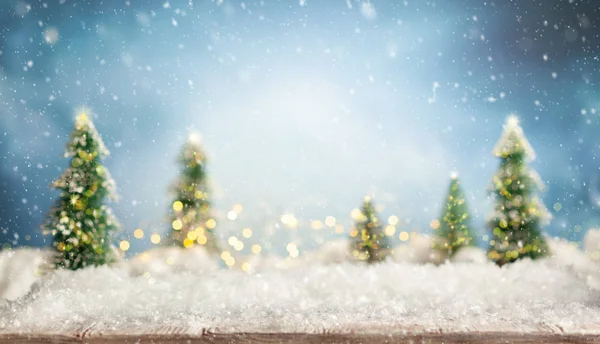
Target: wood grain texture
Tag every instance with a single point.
(326, 338)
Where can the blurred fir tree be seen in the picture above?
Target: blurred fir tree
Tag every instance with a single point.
(79, 221)
(518, 216)
(368, 240)
(191, 219)
(455, 230)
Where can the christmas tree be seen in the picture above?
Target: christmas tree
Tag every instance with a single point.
(368, 240)
(454, 231)
(79, 222)
(518, 216)
(191, 220)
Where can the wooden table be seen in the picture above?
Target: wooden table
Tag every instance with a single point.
(447, 338)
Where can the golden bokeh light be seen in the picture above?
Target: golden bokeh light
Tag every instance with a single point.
(316, 225)
(177, 224)
(356, 214)
(177, 206)
(211, 223)
(238, 208)
(225, 255)
(138, 233)
(232, 215)
(292, 250)
(289, 220)
(155, 238)
(330, 221)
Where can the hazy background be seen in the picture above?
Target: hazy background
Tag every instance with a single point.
(304, 106)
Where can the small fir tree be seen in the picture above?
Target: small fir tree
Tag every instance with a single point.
(79, 222)
(455, 230)
(368, 240)
(191, 220)
(518, 216)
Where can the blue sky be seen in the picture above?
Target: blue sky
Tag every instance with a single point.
(304, 106)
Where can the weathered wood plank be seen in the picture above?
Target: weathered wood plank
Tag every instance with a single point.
(328, 338)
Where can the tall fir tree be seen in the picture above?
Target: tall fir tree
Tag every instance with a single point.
(368, 240)
(455, 230)
(80, 222)
(191, 220)
(519, 214)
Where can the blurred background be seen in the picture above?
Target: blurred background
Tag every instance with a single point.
(304, 107)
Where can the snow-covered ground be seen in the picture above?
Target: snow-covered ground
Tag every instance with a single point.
(591, 244)
(19, 269)
(167, 289)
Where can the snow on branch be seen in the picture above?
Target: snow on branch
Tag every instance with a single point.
(513, 140)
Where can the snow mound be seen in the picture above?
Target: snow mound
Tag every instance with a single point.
(527, 296)
(591, 244)
(333, 252)
(166, 260)
(567, 255)
(19, 270)
(470, 254)
(417, 250)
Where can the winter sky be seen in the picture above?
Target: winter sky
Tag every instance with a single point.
(304, 106)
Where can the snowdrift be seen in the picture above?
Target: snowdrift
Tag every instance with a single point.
(21, 268)
(172, 290)
(458, 297)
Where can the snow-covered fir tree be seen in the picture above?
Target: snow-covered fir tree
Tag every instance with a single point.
(191, 220)
(80, 222)
(368, 240)
(455, 230)
(519, 214)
